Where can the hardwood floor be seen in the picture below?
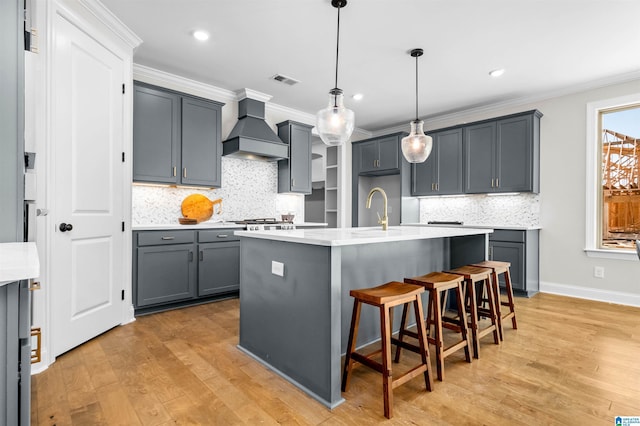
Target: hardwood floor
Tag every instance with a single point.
(571, 361)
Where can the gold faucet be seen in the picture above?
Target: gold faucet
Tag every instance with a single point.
(384, 221)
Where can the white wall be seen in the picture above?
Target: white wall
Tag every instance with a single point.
(564, 266)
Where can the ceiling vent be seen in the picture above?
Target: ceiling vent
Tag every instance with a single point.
(284, 79)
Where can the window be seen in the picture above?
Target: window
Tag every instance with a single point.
(613, 195)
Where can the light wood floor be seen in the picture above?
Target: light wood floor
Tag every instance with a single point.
(570, 362)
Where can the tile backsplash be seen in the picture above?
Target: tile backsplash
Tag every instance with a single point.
(249, 190)
(506, 210)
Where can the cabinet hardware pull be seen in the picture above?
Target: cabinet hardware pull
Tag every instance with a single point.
(492, 182)
(223, 236)
(437, 186)
(34, 285)
(293, 182)
(174, 171)
(201, 255)
(168, 238)
(190, 256)
(497, 182)
(432, 186)
(184, 172)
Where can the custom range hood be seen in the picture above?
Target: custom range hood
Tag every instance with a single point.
(252, 138)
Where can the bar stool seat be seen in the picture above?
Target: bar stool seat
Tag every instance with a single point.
(472, 275)
(385, 297)
(436, 284)
(498, 268)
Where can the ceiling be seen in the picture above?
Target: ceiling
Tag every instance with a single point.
(545, 46)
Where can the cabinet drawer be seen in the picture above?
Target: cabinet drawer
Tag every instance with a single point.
(217, 235)
(165, 237)
(507, 235)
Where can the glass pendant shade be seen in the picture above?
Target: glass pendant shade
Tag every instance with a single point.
(335, 123)
(417, 146)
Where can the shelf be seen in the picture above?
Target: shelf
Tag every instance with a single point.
(335, 188)
(331, 179)
(332, 156)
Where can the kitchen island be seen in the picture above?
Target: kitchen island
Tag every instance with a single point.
(295, 308)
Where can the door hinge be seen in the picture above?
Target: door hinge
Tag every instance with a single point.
(123, 157)
(123, 226)
(122, 294)
(123, 88)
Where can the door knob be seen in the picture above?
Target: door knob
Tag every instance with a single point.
(64, 227)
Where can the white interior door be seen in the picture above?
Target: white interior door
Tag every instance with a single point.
(86, 258)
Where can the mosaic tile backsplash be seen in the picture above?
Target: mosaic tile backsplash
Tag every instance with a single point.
(491, 210)
(249, 190)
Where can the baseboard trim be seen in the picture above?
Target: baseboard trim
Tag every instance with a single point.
(617, 297)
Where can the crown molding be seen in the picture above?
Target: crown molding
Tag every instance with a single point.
(434, 121)
(252, 94)
(112, 22)
(182, 84)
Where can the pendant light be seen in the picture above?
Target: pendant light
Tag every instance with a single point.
(335, 123)
(417, 146)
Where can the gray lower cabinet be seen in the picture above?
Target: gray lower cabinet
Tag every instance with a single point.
(521, 249)
(15, 354)
(442, 172)
(176, 138)
(219, 262)
(294, 173)
(179, 268)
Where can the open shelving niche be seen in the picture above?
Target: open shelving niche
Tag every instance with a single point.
(331, 188)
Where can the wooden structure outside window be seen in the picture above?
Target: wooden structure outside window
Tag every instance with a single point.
(621, 195)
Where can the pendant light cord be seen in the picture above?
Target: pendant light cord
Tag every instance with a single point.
(335, 97)
(417, 88)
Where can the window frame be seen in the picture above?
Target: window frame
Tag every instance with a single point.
(593, 191)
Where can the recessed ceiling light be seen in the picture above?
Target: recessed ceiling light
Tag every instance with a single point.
(357, 97)
(201, 35)
(497, 73)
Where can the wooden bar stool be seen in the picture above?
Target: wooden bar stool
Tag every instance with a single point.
(437, 283)
(502, 268)
(386, 297)
(472, 275)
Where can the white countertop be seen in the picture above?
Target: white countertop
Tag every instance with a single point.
(212, 225)
(353, 236)
(18, 261)
(507, 227)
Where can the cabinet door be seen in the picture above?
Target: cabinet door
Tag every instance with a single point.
(300, 159)
(201, 144)
(388, 153)
(513, 253)
(368, 156)
(449, 157)
(165, 274)
(424, 175)
(479, 141)
(218, 268)
(515, 151)
(156, 135)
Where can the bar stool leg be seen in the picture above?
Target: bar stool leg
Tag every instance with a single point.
(353, 337)
(492, 309)
(496, 292)
(424, 343)
(473, 313)
(462, 316)
(436, 308)
(401, 334)
(387, 388)
(510, 304)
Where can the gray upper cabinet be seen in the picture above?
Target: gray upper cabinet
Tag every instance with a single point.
(201, 143)
(294, 173)
(442, 172)
(378, 156)
(503, 155)
(176, 138)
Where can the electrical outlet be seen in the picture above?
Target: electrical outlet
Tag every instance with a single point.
(598, 271)
(277, 268)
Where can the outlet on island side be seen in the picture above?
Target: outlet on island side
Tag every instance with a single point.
(598, 271)
(277, 268)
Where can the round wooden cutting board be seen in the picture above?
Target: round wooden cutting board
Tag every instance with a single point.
(199, 207)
